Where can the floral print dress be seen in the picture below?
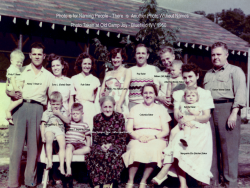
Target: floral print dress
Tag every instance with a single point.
(105, 167)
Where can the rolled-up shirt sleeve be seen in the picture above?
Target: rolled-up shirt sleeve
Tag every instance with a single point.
(239, 88)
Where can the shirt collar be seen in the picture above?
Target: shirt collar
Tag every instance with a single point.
(61, 78)
(29, 68)
(220, 69)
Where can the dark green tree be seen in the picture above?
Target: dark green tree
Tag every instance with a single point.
(200, 12)
(210, 17)
(232, 20)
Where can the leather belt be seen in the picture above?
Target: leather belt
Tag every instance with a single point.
(223, 100)
(31, 101)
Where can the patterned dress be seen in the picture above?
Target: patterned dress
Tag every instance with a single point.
(115, 88)
(105, 167)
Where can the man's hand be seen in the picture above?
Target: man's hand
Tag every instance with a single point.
(232, 120)
(16, 95)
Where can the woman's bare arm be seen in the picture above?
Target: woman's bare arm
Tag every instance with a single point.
(125, 88)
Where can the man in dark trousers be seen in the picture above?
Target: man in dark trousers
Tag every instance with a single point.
(27, 117)
(227, 84)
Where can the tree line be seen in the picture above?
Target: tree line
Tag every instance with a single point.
(233, 20)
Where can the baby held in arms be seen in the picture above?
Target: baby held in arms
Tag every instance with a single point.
(14, 81)
(176, 81)
(189, 107)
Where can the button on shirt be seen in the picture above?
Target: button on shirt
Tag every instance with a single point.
(36, 86)
(228, 82)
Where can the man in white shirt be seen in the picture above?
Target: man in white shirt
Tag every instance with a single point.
(162, 79)
(27, 117)
(142, 73)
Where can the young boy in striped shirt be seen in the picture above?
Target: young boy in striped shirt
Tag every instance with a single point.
(77, 136)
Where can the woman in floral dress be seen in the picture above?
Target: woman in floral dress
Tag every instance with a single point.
(109, 143)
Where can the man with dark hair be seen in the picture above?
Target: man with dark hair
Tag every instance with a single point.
(227, 84)
(142, 73)
(27, 117)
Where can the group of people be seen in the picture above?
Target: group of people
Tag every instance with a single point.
(171, 122)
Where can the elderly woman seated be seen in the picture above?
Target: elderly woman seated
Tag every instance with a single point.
(109, 143)
(147, 126)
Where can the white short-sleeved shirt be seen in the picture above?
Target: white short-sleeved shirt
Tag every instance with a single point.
(65, 86)
(85, 87)
(36, 86)
(205, 99)
(13, 71)
(161, 79)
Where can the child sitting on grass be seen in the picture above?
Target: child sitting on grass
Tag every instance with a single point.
(52, 126)
(77, 136)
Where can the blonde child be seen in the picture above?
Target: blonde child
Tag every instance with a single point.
(189, 107)
(52, 126)
(176, 81)
(77, 136)
(14, 81)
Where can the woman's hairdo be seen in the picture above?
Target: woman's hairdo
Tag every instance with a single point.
(150, 85)
(191, 67)
(106, 98)
(80, 58)
(56, 96)
(17, 53)
(77, 107)
(115, 51)
(53, 57)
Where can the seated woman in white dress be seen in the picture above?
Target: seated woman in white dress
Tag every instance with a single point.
(116, 82)
(196, 159)
(148, 127)
(86, 86)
